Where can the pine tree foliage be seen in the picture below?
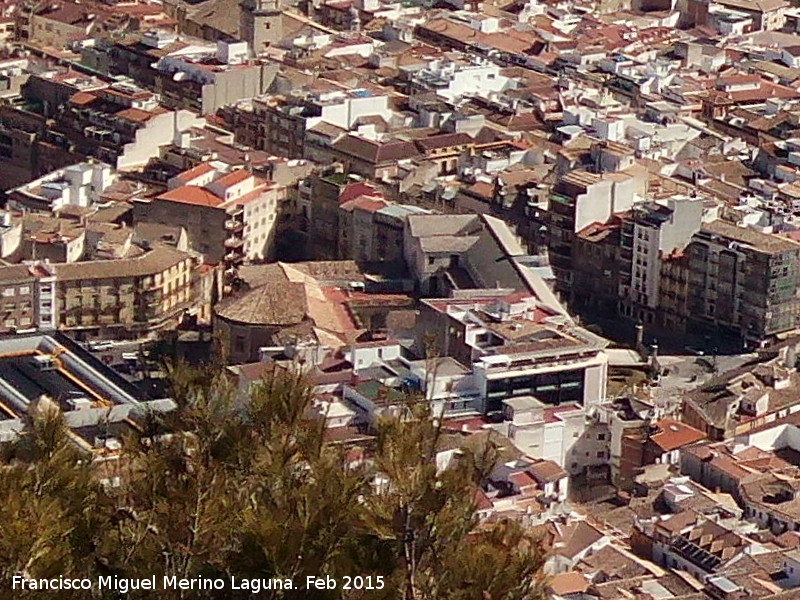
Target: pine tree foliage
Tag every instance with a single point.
(250, 489)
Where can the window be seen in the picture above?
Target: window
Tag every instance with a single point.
(8, 292)
(601, 455)
(601, 436)
(25, 290)
(431, 260)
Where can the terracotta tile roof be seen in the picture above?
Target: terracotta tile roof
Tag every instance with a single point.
(135, 115)
(678, 522)
(250, 372)
(189, 194)
(482, 501)
(157, 260)
(483, 189)
(546, 471)
(14, 273)
(82, 98)
(194, 172)
(365, 203)
(766, 91)
(613, 561)
(356, 189)
(70, 14)
(233, 178)
(375, 152)
(575, 538)
(571, 582)
(673, 434)
(285, 297)
(268, 305)
(521, 479)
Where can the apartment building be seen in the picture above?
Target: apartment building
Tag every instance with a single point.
(581, 200)
(744, 281)
(651, 231)
(517, 346)
(371, 229)
(76, 185)
(669, 264)
(105, 298)
(768, 15)
(279, 124)
(563, 434)
(229, 216)
(28, 149)
(122, 124)
(319, 200)
(109, 298)
(189, 73)
(27, 295)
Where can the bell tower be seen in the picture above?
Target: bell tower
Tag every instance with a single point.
(260, 23)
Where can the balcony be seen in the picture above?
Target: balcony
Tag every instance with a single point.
(234, 242)
(234, 225)
(234, 257)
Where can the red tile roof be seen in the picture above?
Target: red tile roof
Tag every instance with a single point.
(82, 98)
(482, 501)
(673, 434)
(189, 194)
(521, 479)
(365, 203)
(565, 584)
(356, 189)
(546, 471)
(194, 172)
(233, 178)
(136, 115)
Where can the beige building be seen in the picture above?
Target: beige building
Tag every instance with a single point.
(17, 285)
(230, 216)
(137, 295)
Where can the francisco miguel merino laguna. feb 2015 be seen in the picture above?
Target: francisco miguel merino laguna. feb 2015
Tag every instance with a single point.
(125, 585)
